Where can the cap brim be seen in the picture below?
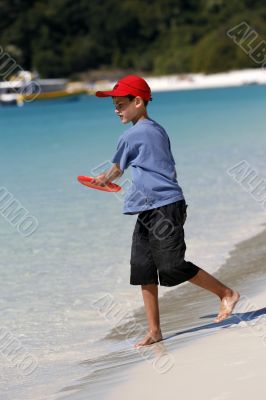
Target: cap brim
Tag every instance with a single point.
(103, 94)
(113, 93)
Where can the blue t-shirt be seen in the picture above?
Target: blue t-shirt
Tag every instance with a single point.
(146, 148)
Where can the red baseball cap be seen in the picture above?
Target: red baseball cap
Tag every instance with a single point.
(130, 84)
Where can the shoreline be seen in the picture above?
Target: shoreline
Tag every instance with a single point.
(229, 361)
(234, 349)
(187, 315)
(192, 81)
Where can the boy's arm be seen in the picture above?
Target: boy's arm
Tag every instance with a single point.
(113, 173)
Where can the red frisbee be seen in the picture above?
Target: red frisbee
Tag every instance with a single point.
(110, 187)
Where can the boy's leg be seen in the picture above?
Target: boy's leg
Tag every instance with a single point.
(228, 296)
(150, 298)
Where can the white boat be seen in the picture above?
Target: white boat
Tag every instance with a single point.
(23, 88)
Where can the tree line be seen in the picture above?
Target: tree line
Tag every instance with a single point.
(64, 38)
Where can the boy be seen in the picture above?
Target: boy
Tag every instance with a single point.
(158, 246)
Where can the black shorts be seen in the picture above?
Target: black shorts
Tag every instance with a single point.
(158, 247)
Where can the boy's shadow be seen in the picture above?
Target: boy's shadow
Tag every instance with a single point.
(234, 319)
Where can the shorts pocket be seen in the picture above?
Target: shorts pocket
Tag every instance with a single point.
(174, 234)
(170, 240)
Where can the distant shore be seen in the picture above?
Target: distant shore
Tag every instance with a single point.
(256, 76)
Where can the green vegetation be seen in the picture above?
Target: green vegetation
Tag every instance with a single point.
(67, 37)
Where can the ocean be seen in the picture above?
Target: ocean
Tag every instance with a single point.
(72, 251)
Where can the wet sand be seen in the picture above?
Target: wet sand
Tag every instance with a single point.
(187, 314)
(228, 364)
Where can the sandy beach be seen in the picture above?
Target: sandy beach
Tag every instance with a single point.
(255, 76)
(226, 361)
(226, 364)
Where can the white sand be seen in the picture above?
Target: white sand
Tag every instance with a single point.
(201, 81)
(225, 364)
(196, 81)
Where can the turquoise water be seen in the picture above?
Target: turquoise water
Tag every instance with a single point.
(80, 249)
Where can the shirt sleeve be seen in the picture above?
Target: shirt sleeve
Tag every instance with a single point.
(122, 155)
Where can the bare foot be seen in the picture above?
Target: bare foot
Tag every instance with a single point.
(227, 305)
(150, 338)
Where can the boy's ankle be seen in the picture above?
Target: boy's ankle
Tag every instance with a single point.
(155, 331)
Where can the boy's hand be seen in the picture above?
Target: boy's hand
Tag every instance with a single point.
(100, 180)
(108, 176)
